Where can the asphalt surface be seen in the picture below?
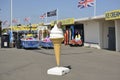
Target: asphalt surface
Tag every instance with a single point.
(86, 64)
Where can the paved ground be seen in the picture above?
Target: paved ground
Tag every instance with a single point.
(86, 64)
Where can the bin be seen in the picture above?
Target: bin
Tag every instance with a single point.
(18, 41)
(5, 41)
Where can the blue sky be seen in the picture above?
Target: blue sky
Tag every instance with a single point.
(66, 9)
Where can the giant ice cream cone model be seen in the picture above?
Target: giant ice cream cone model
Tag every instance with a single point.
(56, 37)
(57, 48)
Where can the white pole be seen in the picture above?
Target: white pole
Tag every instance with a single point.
(18, 20)
(94, 8)
(11, 14)
(11, 22)
(46, 17)
(57, 15)
(29, 19)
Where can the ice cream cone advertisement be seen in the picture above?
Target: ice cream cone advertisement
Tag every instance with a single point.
(56, 36)
(57, 49)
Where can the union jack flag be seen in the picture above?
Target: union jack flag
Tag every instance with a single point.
(14, 21)
(27, 19)
(43, 16)
(85, 3)
(5, 22)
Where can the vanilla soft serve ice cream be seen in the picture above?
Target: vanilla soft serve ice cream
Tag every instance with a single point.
(56, 32)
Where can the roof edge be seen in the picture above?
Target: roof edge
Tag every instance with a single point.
(90, 18)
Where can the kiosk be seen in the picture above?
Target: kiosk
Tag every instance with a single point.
(43, 36)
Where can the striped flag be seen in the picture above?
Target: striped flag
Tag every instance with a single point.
(43, 16)
(27, 19)
(85, 3)
(5, 22)
(14, 21)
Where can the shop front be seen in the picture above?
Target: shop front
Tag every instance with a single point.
(102, 32)
(73, 33)
(115, 32)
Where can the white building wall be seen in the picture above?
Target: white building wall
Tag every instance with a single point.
(117, 29)
(96, 33)
(101, 34)
(91, 34)
(91, 31)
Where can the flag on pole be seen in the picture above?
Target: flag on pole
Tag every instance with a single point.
(5, 22)
(85, 3)
(52, 13)
(27, 19)
(14, 21)
(43, 16)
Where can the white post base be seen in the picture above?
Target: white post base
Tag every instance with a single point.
(58, 71)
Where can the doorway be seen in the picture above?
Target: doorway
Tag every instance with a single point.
(111, 38)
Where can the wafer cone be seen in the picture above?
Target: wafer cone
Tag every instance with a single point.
(57, 48)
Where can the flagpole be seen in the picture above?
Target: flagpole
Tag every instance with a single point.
(57, 15)
(18, 20)
(94, 8)
(29, 20)
(46, 17)
(11, 22)
(11, 14)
